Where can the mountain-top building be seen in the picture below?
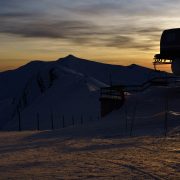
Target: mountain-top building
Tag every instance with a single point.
(169, 50)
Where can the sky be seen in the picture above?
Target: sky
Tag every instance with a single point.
(109, 31)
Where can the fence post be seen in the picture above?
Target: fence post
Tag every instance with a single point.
(52, 121)
(81, 119)
(63, 123)
(73, 120)
(98, 118)
(38, 122)
(19, 120)
(166, 118)
(133, 118)
(126, 120)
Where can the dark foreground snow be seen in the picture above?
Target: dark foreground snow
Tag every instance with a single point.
(48, 155)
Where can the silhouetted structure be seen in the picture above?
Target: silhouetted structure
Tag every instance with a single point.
(112, 98)
(169, 50)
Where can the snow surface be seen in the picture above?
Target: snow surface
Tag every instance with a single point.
(127, 144)
(68, 87)
(51, 155)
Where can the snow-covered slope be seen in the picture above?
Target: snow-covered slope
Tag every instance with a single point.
(116, 74)
(68, 87)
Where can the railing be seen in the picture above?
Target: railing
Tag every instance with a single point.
(157, 81)
(111, 98)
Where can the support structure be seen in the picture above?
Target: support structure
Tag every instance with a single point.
(112, 98)
(160, 60)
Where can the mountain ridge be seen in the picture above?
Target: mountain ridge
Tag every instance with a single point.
(66, 58)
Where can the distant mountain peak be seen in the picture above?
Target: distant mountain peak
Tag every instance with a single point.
(70, 56)
(134, 66)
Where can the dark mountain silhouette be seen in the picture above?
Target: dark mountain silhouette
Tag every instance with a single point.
(67, 86)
